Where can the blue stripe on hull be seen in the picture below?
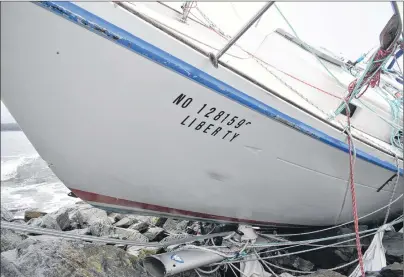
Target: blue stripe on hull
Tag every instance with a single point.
(109, 31)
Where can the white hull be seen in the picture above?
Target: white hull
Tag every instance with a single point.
(103, 117)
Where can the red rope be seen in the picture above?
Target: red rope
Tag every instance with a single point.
(353, 195)
(308, 84)
(375, 80)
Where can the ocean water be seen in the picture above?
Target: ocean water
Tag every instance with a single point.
(26, 180)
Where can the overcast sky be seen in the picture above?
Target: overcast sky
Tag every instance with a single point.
(350, 28)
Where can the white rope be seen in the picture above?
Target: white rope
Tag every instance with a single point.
(392, 192)
(336, 226)
(209, 272)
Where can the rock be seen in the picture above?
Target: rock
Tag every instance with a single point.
(100, 230)
(393, 243)
(5, 214)
(295, 262)
(71, 258)
(285, 274)
(142, 252)
(128, 234)
(45, 222)
(170, 225)
(28, 215)
(87, 216)
(8, 268)
(62, 218)
(10, 239)
(348, 254)
(176, 226)
(393, 270)
(160, 222)
(174, 237)
(395, 266)
(325, 273)
(154, 233)
(115, 216)
(140, 226)
(126, 222)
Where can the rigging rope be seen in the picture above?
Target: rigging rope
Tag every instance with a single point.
(352, 187)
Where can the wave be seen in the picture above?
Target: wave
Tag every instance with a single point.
(26, 169)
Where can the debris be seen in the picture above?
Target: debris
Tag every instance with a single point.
(28, 215)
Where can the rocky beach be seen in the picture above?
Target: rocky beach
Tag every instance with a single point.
(25, 254)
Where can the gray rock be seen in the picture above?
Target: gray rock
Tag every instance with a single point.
(393, 243)
(325, 273)
(8, 269)
(395, 266)
(126, 222)
(87, 216)
(142, 252)
(153, 233)
(160, 221)
(170, 225)
(295, 262)
(5, 214)
(128, 234)
(10, 239)
(115, 216)
(176, 226)
(71, 258)
(100, 230)
(62, 218)
(140, 226)
(46, 221)
(393, 270)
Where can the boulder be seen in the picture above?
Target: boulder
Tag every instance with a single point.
(325, 273)
(100, 230)
(87, 216)
(31, 214)
(115, 216)
(5, 214)
(294, 262)
(160, 222)
(46, 221)
(142, 252)
(155, 234)
(140, 226)
(126, 222)
(10, 239)
(71, 258)
(393, 270)
(393, 243)
(128, 234)
(8, 268)
(62, 218)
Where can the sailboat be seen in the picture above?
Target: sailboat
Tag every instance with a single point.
(139, 108)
